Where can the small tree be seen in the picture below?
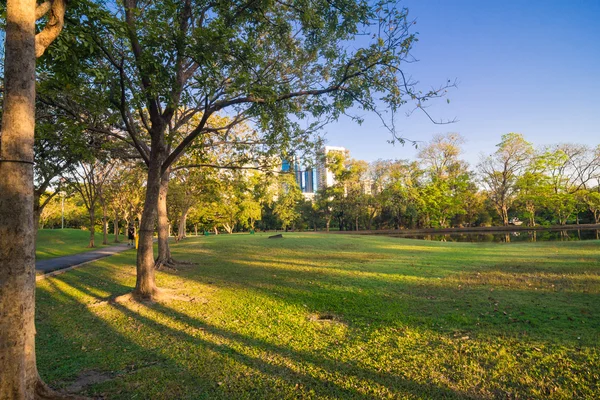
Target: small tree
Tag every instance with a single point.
(88, 179)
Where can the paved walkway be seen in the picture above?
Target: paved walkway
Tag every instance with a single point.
(66, 262)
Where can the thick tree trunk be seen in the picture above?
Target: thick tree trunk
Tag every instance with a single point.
(18, 372)
(145, 286)
(17, 233)
(164, 227)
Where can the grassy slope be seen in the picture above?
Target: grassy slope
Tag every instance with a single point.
(63, 242)
(412, 319)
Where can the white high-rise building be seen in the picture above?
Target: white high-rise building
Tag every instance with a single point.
(325, 177)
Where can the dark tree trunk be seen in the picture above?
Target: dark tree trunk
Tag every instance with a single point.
(92, 212)
(145, 285)
(104, 225)
(116, 228)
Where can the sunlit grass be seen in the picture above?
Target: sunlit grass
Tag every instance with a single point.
(327, 316)
(52, 243)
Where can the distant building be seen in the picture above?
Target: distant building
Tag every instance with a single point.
(305, 177)
(325, 177)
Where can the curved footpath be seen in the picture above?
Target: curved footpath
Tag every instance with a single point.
(54, 266)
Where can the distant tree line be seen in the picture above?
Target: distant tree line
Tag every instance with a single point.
(551, 185)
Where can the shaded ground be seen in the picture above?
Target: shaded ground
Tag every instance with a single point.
(332, 316)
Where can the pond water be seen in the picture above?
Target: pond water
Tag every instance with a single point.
(505, 236)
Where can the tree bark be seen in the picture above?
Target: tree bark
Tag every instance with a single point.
(92, 225)
(164, 227)
(19, 377)
(182, 224)
(116, 228)
(145, 285)
(17, 233)
(104, 225)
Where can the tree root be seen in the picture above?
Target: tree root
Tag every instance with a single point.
(158, 296)
(165, 264)
(44, 392)
(170, 264)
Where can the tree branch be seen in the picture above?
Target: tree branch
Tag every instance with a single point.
(52, 29)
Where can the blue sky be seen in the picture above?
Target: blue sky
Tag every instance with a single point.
(522, 66)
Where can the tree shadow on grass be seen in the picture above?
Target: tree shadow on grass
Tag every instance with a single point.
(449, 304)
(226, 346)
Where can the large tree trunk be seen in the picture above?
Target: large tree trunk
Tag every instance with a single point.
(145, 286)
(17, 233)
(164, 227)
(18, 372)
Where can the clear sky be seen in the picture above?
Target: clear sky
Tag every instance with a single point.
(527, 66)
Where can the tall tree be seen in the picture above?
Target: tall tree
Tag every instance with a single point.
(273, 63)
(19, 376)
(501, 170)
(448, 180)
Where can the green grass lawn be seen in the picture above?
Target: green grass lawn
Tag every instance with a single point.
(63, 242)
(331, 316)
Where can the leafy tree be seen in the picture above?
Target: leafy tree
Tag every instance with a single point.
(288, 198)
(59, 144)
(274, 64)
(448, 178)
(88, 179)
(591, 198)
(501, 170)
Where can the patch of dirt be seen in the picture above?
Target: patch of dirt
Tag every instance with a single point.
(325, 318)
(160, 296)
(88, 378)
